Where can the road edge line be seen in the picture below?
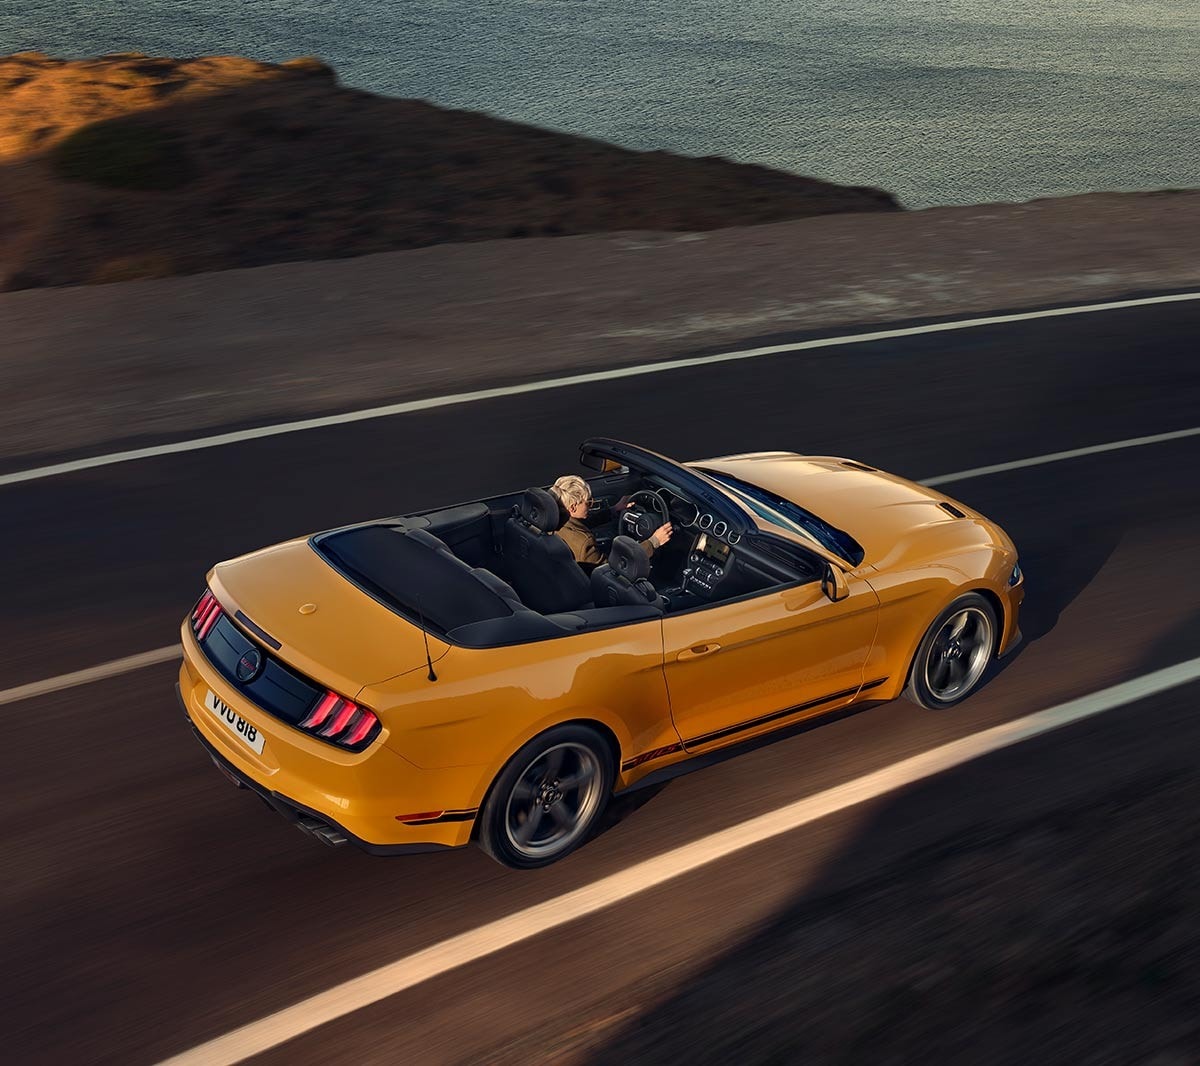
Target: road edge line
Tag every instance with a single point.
(349, 996)
(114, 668)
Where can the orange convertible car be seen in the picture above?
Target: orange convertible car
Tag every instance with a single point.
(428, 680)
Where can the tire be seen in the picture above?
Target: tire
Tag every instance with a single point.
(953, 656)
(533, 816)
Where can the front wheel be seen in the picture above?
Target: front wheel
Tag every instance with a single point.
(548, 798)
(954, 653)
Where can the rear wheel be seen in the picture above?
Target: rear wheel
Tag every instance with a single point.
(548, 798)
(954, 654)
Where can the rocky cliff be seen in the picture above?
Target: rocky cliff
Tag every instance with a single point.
(129, 166)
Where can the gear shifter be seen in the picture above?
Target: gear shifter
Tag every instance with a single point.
(683, 579)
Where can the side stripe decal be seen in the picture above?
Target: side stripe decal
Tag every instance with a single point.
(718, 734)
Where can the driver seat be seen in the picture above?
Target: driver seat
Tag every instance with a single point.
(540, 565)
(624, 581)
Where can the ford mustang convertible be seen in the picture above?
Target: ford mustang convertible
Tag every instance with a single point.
(433, 679)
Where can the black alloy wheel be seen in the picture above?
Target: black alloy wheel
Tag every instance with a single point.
(954, 654)
(548, 798)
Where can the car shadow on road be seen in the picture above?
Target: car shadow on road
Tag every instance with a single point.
(1036, 905)
(1059, 558)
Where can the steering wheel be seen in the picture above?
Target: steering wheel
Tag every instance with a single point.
(647, 511)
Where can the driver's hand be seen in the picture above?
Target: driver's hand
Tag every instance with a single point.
(623, 504)
(663, 534)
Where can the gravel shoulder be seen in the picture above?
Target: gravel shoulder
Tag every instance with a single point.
(90, 368)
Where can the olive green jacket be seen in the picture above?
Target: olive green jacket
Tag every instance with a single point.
(582, 542)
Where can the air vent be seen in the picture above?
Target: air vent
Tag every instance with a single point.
(858, 466)
(949, 508)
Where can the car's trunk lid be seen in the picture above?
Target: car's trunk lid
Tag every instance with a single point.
(324, 625)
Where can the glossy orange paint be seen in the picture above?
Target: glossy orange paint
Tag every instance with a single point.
(662, 689)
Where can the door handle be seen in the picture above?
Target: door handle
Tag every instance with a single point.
(696, 651)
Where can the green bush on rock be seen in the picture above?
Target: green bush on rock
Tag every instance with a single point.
(122, 155)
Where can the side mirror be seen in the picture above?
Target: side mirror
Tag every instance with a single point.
(834, 584)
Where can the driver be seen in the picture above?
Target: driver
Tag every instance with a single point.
(575, 496)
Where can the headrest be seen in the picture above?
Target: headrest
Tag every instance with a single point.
(540, 509)
(629, 559)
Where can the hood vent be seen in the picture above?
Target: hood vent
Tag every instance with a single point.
(949, 508)
(858, 466)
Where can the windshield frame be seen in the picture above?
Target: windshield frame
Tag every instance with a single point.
(789, 515)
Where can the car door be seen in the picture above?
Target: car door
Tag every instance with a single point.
(745, 667)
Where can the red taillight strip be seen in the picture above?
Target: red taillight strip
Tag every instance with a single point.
(341, 719)
(339, 715)
(316, 717)
(360, 729)
(209, 619)
(202, 606)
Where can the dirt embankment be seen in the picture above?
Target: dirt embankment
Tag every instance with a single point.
(128, 166)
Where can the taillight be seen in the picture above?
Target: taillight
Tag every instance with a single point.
(341, 721)
(205, 614)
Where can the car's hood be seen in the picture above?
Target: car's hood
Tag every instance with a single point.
(348, 641)
(889, 516)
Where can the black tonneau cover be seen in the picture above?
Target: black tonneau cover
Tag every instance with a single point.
(404, 573)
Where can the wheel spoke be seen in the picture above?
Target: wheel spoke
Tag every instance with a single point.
(937, 679)
(960, 625)
(562, 816)
(527, 828)
(580, 779)
(552, 764)
(958, 670)
(523, 792)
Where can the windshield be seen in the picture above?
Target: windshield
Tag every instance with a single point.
(781, 512)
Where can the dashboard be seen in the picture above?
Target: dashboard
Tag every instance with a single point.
(689, 516)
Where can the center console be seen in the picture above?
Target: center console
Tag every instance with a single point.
(706, 565)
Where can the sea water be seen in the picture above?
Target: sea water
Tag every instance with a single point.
(938, 101)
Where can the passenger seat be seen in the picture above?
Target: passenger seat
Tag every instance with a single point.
(624, 581)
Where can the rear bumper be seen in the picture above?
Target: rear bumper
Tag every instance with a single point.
(319, 826)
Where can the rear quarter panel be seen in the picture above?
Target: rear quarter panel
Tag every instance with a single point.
(488, 702)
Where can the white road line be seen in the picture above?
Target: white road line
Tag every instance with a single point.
(411, 406)
(1055, 457)
(92, 673)
(352, 995)
(162, 655)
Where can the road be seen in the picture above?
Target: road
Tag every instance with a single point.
(147, 906)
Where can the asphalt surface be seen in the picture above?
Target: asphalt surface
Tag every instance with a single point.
(147, 905)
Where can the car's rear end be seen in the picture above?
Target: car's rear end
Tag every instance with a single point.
(275, 653)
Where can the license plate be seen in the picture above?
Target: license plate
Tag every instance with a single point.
(234, 722)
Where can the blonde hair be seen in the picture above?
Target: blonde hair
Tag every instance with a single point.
(571, 489)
